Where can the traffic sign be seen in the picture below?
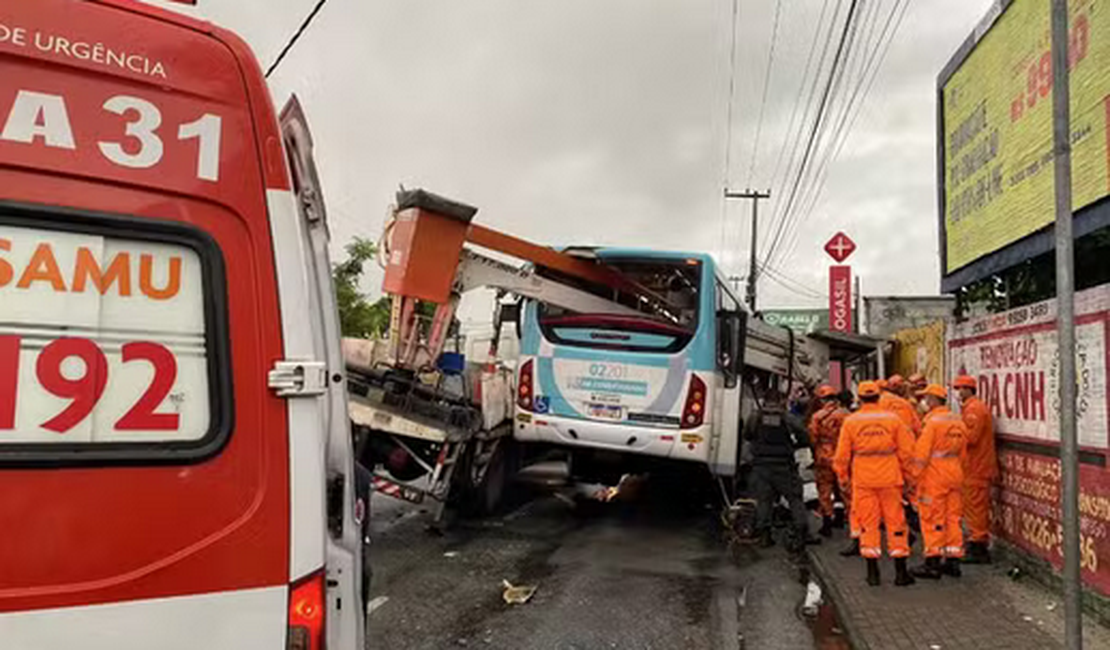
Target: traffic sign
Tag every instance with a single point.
(840, 247)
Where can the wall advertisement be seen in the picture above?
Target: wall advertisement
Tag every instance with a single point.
(802, 321)
(920, 350)
(1014, 357)
(1027, 512)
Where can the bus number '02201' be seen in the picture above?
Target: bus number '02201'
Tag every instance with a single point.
(608, 370)
(34, 115)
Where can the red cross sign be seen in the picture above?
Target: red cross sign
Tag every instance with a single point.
(840, 247)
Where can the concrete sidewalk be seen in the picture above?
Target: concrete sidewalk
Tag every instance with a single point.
(983, 610)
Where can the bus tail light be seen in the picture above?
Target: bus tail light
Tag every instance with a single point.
(524, 392)
(306, 614)
(694, 413)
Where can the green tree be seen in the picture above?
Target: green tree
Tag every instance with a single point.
(358, 317)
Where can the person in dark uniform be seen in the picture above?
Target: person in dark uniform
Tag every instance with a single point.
(774, 434)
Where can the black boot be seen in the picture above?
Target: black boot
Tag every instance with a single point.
(929, 570)
(838, 518)
(952, 568)
(977, 553)
(873, 577)
(852, 549)
(826, 527)
(902, 577)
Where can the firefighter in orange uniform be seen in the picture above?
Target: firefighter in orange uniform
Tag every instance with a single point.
(824, 432)
(874, 451)
(937, 470)
(892, 400)
(979, 472)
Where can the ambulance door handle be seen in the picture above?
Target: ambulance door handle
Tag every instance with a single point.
(298, 378)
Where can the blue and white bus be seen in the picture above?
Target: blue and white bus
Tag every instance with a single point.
(662, 386)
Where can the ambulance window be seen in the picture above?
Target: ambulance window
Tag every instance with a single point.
(111, 341)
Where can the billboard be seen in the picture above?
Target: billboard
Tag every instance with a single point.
(995, 169)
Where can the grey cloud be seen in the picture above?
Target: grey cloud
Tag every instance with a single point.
(604, 122)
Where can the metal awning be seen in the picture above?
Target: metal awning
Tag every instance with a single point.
(846, 347)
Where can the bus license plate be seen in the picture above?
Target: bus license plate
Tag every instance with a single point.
(605, 411)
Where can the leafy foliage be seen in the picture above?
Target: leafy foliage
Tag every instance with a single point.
(1035, 279)
(358, 317)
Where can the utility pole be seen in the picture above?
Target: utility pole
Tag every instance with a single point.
(755, 196)
(1065, 325)
(858, 300)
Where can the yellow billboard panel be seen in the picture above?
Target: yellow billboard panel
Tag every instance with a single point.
(997, 127)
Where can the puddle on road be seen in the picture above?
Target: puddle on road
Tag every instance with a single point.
(827, 631)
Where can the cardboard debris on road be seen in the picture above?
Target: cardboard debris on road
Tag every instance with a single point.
(517, 595)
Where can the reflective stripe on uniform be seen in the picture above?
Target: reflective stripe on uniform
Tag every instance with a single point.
(877, 452)
(945, 454)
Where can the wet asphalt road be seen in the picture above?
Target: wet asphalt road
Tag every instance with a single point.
(645, 575)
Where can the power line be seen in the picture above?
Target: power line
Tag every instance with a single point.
(790, 284)
(766, 85)
(814, 132)
(728, 122)
(296, 36)
(855, 49)
(876, 58)
(798, 98)
(793, 161)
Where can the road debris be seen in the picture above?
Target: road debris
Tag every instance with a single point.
(376, 603)
(627, 489)
(517, 595)
(451, 554)
(813, 599)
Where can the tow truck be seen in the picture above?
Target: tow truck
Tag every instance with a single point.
(456, 448)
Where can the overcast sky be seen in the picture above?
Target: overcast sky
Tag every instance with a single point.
(604, 122)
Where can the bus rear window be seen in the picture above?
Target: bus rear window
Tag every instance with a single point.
(105, 339)
(678, 281)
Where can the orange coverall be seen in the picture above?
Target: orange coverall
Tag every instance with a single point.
(824, 432)
(980, 470)
(901, 407)
(937, 469)
(874, 452)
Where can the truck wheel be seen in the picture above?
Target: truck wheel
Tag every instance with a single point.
(493, 487)
(482, 497)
